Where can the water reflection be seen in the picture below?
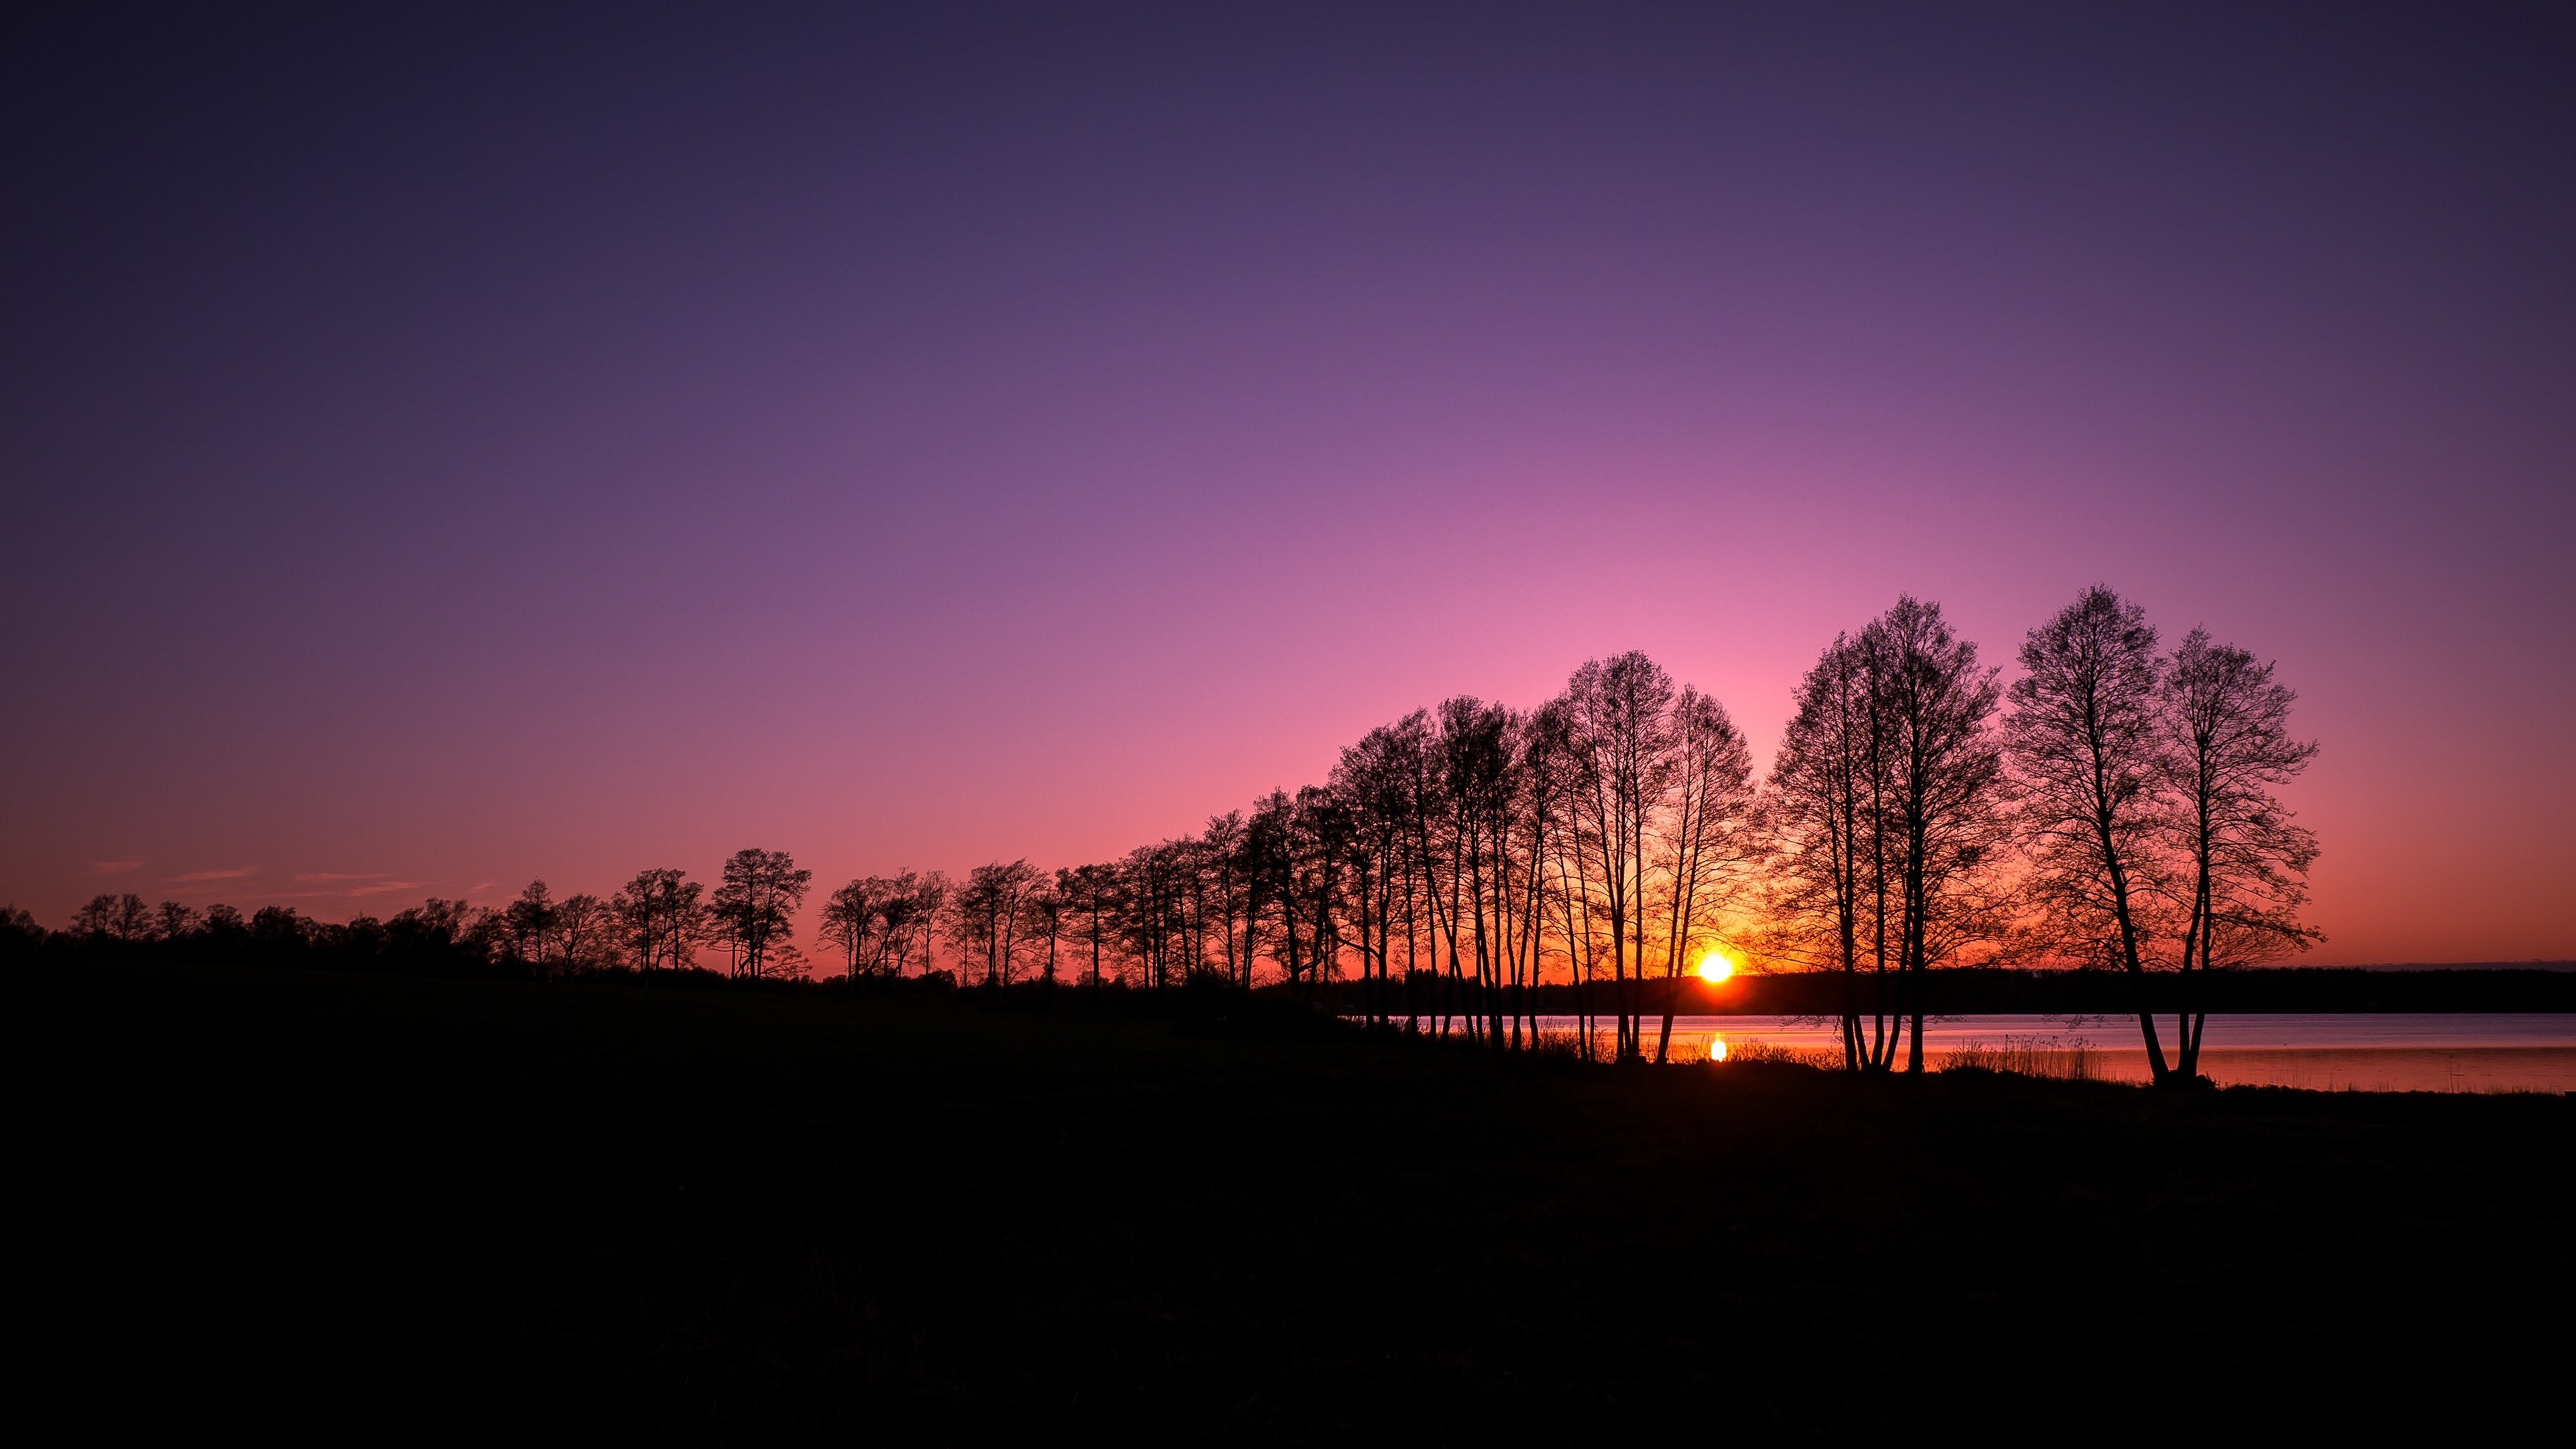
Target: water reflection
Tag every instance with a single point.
(2378, 1052)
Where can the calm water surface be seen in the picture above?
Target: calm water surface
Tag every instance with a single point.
(2377, 1052)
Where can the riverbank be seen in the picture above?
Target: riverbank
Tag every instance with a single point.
(291, 1198)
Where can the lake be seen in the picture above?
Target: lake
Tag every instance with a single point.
(2421, 1052)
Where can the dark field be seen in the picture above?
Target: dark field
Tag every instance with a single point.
(362, 1205)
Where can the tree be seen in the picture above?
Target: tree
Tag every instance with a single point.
(1090, 900)
(174, 922)
(1621, 758)
(1941, 801)
(1824, 811)
(528, 926)
(19, 933)
(852, 922)
(133, 921)
(436, 935)
(661, 919)
(225, 926)
(1232, 860)
(1373, 780)
(105, 918)
(990, 918)
(1705, 841)
(1307, 886)
(2088, 749)
(585, 936)
(2227, 750)
(1465, 846)
(754, 906)
(912, 912)
(281, 930)
(1049, 915)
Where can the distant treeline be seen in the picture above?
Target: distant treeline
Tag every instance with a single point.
(1988, 990)
(419, 942)
(1474, 867)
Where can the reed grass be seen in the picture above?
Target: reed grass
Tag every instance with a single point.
(2029, 1056)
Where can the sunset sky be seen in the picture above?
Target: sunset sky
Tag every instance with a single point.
(440, 452)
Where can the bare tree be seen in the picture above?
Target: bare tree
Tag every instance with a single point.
(754, 907)
(133, 919)
(1151, 911)
(852, 921)
(1231, 859)
(1050, 915)
(1090, 897)
(1823, 811)
(528, 927)
(172, 921)
(661, 916)
(2088, 748)
(124, 919)
(1374, 782)
(434, 935)
(585, 935)
(1618, 716)
(1942, 797)
(19, 933)
(2227, 751)
(1543, 746)
(1705, 841)
(913, 906)
(989, 918)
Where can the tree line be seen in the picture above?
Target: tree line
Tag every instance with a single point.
(2117, 806)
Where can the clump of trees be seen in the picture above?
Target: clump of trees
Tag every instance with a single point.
(2116, 807)
(1887, 815)
(2151, 826)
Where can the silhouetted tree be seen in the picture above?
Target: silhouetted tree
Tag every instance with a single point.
(437, 936)
(1620, 750)
(753, 909)
(528, 926)
(1049, 916)
(661, 919)
(174, 922)
(124, 919)
(225, 931)
(851, 921)
(281, 932)
(2088, 751)
(134, 919)
(1705, 841)
(989, 918)
(1090, 897)
(913, 906)
(1825, 813)
(1231, 862)
(2244, 863)
(585, 936)
(1373, 781)
(19, 933)
(1151, 915)
(1942, 801)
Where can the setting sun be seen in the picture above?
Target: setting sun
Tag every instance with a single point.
(1714, 967)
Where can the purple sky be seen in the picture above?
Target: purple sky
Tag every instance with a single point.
(441, 452)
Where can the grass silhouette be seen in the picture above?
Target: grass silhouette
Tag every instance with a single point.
(343, 1204)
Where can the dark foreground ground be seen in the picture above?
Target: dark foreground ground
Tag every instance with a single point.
(359, 1206)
